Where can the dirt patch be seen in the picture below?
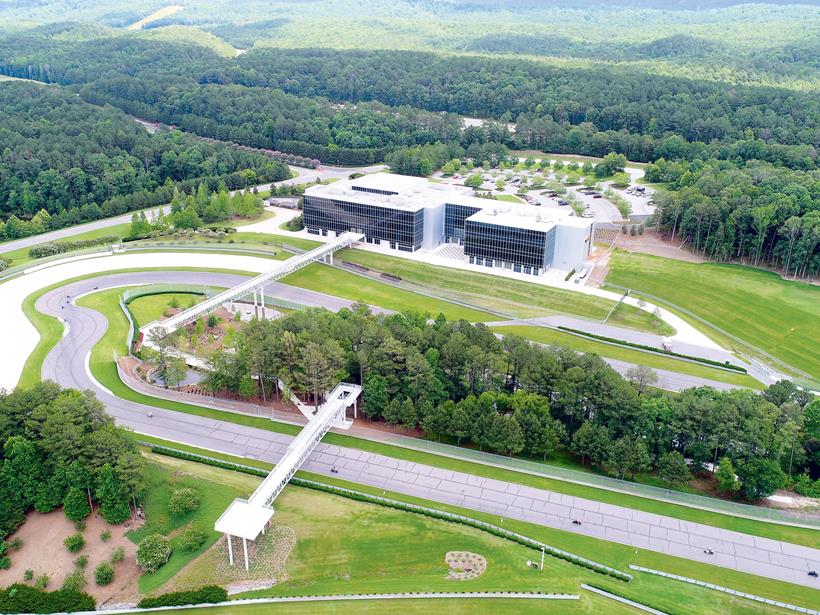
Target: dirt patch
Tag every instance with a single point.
(652, 243)
(267, 557)
(43, 553)
(464, 565)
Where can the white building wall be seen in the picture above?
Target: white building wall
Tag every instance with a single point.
(433, 226)
(573, 246)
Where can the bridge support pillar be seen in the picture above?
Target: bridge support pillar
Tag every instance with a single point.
(262, 301)
(245, 549)
(230, 549)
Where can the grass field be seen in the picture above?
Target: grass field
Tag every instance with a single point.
(354, 287)
(343, 546)
(21, 257)
(544, 335)
(104, 370)
(778, 316)
(506, 296)
(150, 307)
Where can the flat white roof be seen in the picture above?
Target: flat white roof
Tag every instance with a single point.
(415, 193)
(243, 519)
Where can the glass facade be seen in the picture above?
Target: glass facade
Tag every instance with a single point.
(519, 249)
(403, 228)
(454, 217)
(373, 190)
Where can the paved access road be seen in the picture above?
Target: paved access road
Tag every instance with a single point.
(66, 364)
(302, 176)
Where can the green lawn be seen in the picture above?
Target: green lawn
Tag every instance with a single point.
(778, 316)
(21, 257)
(509, 198)
(451, 606)
(544, 335)
(354, 287)
(513, 297)
(344, 546)
(255, 239)
(151, 307)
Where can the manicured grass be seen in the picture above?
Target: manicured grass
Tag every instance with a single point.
(151, 307)
(452, 606)
(50, 330)
(509, 198)
(104, 369)
(513, 297)
(352, 547)
(354, 287)
(21, 257)
(544, 335)
(215, 495)
(778, 316)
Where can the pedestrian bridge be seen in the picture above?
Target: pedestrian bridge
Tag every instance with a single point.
(247, 519)
(254, 285)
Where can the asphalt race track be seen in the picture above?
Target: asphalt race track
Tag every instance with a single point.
(66, 364)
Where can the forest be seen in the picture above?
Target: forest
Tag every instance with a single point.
(66, 161)
(754, 212)
(740, 160)
(60, 448)
(459, 381)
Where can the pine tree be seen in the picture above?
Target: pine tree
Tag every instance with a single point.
(75, 505)
(113, 506)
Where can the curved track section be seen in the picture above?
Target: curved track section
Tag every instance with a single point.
(66, 364)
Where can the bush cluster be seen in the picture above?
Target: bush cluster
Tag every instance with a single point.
(183, 501)
(209, 594)
(59, 247)
(153, 552)
(19, 598)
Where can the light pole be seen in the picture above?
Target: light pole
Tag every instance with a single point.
(542, 559)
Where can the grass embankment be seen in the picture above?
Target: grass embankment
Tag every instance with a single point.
(150, 307)
(345, 546)
(354, 287)
(544, 335)
(778, 316)
(504, 295)
(21, 257)
(114, 340)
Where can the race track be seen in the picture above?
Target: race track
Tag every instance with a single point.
(66, 364)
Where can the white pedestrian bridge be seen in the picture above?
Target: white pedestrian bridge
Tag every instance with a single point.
(255, 286)
(247, 519)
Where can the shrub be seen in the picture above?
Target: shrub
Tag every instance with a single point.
(81, 562)
(105, 535)
(204, 595)
(153, 552)
(19, 598)
(192, 539)
(74, 543)
(42, 581)
(118, 555)
(16, 544)
(50, 249)
(104, 574)
(75, 505)
(183, 501)
(74, 582)
(5, 562)
(28, 575)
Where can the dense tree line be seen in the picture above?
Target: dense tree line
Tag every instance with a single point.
(60, 448)
(76, 162)
(457, 380)
(567, 110)
(635, 112)
(755, 212)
